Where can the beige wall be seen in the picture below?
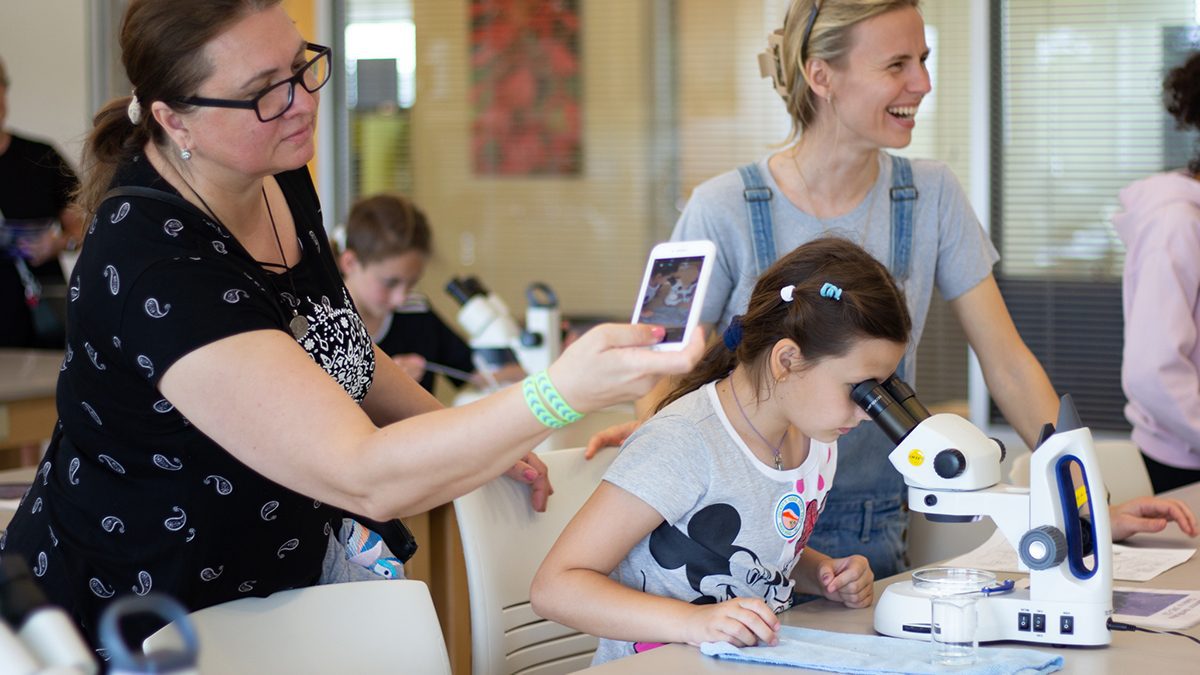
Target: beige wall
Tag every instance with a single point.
(585, 235)
(44, 44)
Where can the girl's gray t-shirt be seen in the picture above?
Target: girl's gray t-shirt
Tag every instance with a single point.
(732, 525)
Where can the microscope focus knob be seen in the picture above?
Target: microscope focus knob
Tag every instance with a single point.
(1043, 547)
(950, 463)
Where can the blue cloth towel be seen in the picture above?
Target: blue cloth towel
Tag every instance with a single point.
(846, 653)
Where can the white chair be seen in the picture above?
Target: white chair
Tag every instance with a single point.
(1121, 466)
(364, 627)
(504, 541)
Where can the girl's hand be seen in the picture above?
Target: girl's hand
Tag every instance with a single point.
(1150, 514)
(742, 622)
(613, 363)
(412, 364)
(532, 471)
(849, 581)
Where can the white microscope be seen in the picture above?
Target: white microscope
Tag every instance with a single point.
(953, 475)
(492, 329)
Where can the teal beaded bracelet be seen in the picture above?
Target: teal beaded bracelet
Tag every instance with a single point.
(555, 400)
(537, 407)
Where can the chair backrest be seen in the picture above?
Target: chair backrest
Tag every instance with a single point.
(363, 627)
(504, 541)
(1121, 466)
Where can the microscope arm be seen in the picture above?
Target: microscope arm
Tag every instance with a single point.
(1006, 505)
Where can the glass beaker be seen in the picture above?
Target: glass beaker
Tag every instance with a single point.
(954, 616)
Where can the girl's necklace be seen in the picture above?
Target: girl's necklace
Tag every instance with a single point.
(775, 451)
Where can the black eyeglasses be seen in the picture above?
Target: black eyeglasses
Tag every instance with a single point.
(272, 102)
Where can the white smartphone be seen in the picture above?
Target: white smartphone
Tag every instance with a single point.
(673, 288)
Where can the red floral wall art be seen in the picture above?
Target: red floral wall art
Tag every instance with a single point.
(525, 87)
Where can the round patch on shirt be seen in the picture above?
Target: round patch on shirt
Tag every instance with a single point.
(789, 515)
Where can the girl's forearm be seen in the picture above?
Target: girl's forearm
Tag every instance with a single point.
(595, 604)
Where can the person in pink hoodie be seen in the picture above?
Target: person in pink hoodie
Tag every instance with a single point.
(1159, 223)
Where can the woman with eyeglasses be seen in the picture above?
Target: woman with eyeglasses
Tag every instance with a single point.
(852, 76)
(221, 404)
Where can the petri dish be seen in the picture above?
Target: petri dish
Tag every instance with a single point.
(951, 580)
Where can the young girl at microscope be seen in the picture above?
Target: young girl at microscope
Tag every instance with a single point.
(697, 530)
(385, 246)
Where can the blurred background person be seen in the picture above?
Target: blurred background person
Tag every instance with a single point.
(1159, 223)
(35, 194)
(385, 245)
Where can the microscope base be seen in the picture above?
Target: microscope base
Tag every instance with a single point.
(904, 612)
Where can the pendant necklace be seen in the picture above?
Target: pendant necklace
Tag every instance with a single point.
(813, 204)
(775, 451)
(299, 323)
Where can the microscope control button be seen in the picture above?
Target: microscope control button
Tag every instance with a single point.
(1023, 621)
(1039, 623)
(1066, 625)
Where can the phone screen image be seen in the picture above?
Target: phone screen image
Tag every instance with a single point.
(669, 295)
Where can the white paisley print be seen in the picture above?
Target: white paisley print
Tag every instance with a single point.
(131, 498)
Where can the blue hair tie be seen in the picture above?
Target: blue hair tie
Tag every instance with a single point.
(733, 333)
(828, 290)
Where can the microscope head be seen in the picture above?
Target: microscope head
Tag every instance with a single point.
(933, 452)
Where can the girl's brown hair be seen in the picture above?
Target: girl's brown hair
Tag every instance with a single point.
(842, 295)
(384, 226)
(162, 49)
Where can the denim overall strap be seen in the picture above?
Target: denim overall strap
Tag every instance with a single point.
(758, 203)
(903, 195)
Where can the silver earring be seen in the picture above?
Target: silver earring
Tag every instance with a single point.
(185, 154)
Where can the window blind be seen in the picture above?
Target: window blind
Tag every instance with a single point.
(1079, 115)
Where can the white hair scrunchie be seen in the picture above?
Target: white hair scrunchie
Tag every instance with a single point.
(134, 111)
(787, 292)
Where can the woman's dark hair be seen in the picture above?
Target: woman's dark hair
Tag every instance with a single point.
(1181, 95)
(162, 49)
(383, 226)
(870, 306)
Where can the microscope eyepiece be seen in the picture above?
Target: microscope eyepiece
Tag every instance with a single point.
(465, 288)
(906, 397)
(889, 414)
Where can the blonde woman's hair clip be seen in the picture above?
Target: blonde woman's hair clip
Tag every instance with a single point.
(787, 292)
(770, 62)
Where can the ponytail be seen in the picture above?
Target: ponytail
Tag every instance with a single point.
(114, 139)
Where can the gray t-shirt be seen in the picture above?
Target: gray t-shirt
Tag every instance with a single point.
(732, 525)
(949, 247)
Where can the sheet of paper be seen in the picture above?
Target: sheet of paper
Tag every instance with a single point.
(1129, 563)
(1156, 608)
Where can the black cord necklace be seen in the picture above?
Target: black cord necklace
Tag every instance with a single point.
(299, 322)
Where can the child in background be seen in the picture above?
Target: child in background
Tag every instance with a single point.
(386, 245)
(696, 532)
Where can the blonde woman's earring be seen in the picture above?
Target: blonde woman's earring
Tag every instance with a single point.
(185, 154)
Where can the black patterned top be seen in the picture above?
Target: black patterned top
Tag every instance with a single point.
(130, 497)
